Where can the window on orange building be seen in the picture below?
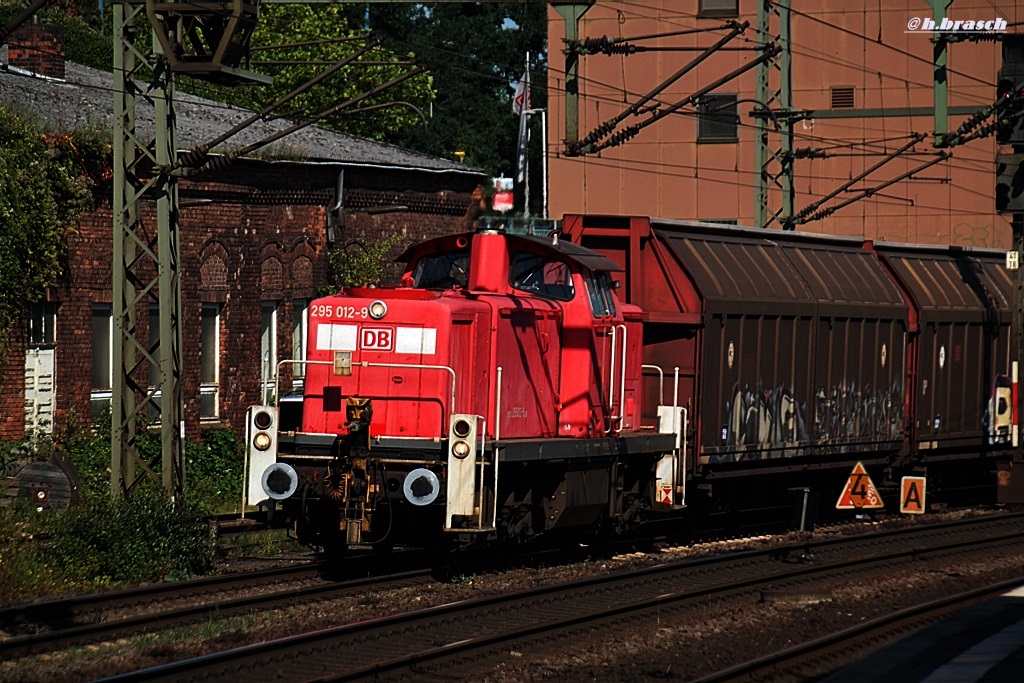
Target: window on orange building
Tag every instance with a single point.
(718, 8)
(716, 118)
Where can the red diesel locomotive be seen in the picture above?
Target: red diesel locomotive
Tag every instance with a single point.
(509, 387)
(495, 392)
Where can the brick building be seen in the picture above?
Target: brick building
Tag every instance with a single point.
(863, 77)
(253, 238)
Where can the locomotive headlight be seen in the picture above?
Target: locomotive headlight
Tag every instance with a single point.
(262, 441)
(378, 309)
(460, 449)
(263, 419)
(461, 428)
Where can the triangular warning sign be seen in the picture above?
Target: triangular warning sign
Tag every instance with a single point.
(666, 495)
(860, 492)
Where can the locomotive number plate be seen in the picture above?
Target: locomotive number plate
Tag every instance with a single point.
(328, 311)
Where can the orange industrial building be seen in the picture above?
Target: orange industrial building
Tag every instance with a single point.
(850, 64)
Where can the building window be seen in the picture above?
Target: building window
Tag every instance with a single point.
(40, 356)
(42, 324)
(718, 8)
(300, 333)
(209, 363)
(268, 348)
(716, 119)
(843, 97)
(102, 357)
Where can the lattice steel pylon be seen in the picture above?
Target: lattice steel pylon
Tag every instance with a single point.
(145, 268)
(774, 166)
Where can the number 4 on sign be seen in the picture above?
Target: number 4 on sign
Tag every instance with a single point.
(860, 492)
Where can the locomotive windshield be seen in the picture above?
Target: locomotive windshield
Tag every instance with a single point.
(599, 287)
(541, 275)
(442, 271)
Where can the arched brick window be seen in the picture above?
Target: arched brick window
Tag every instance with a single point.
(272, 279)
(213, 274)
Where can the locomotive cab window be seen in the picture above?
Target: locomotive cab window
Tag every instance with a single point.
(541, 275)
(599, 287)
(442, 271)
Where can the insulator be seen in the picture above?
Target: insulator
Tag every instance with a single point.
(599, 132)
(623, 136)
(620, 49)
(192, 157)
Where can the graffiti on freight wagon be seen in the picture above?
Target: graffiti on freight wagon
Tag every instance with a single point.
(842, 414)
(764, 416)
(848, 413)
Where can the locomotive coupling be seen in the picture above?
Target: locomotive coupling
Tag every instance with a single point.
(359, 412)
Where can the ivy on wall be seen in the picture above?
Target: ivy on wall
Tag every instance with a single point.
(46, 181)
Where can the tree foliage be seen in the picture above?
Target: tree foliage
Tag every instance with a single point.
(45, 185)
(475, 53)
(356, 264)
(291, 24)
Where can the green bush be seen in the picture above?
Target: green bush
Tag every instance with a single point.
(214, 470)
(142, 538)
(103, 542)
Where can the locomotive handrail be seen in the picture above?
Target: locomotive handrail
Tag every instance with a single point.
(661, 379)
(277, 375)
(366, 364)
(483, 455)
(611, 378)
(497, 437)
(622, 379)
(416, 366)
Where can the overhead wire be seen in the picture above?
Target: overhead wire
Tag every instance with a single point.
(879, 74)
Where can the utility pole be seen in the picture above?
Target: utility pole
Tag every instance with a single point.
(144, 271)
(1009, 112)
(572, 12)
(209, 41)
(940, 74)
(774, 167)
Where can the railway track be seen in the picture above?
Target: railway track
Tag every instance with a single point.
(34, 628)
(44, 626)
(431, 641)
(834, 646)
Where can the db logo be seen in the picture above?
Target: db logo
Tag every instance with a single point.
(376, 338)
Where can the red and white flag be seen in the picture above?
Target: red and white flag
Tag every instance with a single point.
(521, 105)
(522, 96)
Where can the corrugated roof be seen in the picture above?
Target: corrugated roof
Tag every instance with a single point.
(86, 98)
(953, 284)
(783, 272)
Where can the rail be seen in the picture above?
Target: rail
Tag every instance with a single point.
(427, 641)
